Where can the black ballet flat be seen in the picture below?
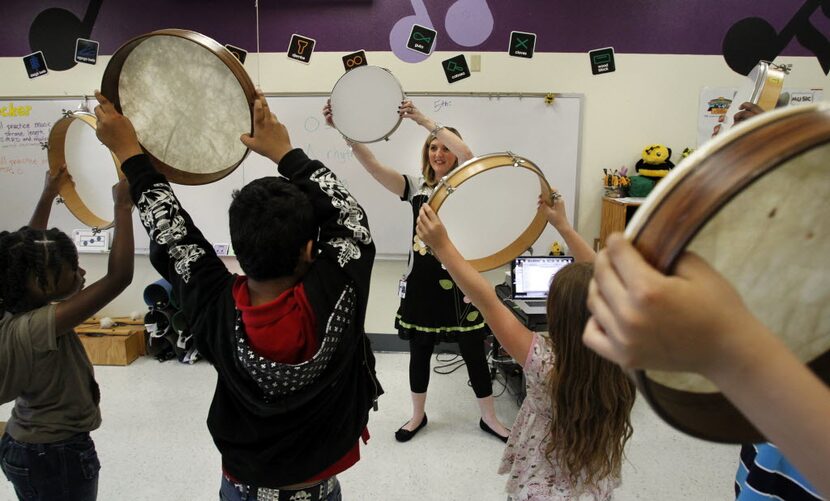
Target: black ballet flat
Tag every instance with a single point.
(489, 430)
(405, 435)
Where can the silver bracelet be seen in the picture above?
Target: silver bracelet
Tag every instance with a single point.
(434, 131)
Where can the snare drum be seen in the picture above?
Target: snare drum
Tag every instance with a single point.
(763, 88)
(753, 203)
(189, 100)
(365, 102)
(490, 231)
(94, 169)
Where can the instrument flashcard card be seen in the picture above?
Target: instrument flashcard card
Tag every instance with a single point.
(86, 51)
(238, 52)
(421, 39)
(456, 68)
(354, 60)
(602, 60)
(522, 44)
(35, 64)
(301, 48)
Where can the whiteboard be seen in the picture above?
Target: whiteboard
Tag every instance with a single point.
(548, 135)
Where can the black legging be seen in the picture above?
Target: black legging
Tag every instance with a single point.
(472, 351)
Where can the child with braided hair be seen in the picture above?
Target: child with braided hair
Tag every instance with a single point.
(46, 451)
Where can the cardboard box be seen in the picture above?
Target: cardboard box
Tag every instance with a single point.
(119, 345)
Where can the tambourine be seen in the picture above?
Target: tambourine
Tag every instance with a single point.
(763, 88)
(490, 231)
(364, 104)
(753, 203)
(189, 100)
(94, 169)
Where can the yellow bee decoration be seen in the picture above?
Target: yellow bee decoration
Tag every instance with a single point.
(549, 98)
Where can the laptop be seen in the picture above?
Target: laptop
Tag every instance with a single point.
(530, 278)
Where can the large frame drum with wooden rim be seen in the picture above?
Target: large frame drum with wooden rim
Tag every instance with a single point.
(753, 203)
(189, 100)
(490, 231)
(94, 169)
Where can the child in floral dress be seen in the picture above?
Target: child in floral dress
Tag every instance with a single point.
(568, 439)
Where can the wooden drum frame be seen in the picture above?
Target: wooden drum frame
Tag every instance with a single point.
(766, 81)
(110, 89)
(691, 197)
(57, 158)
(478, 165)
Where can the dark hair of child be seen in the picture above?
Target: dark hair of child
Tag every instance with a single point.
(36, 257)
(270, 222)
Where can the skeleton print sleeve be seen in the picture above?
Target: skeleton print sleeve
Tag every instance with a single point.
(344, 229)
(178, 250)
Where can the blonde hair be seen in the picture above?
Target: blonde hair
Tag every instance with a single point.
(591, 398)
(426, 168)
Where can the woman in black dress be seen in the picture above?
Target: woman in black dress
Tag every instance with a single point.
(433, 308)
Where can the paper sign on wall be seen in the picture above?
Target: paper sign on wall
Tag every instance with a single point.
(91, 240)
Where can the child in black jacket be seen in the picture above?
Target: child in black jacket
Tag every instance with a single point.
(295, 369)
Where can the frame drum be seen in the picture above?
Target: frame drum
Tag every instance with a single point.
(189, 100)
(763, 88)
(94, 169)
(486, 229)
(364, 104)
(753, 203)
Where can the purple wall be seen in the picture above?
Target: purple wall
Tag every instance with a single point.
(630, 26)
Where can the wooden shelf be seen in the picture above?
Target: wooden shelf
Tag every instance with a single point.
(616, 212)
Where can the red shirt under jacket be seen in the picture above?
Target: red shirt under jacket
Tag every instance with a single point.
(283, 330)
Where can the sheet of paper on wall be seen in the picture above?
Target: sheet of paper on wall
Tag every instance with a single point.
(715, 101)
(91, 241)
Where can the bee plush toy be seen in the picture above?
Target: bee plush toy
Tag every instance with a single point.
(656, 162)
(653, 166)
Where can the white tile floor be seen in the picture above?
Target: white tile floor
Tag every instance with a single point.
(154, 444)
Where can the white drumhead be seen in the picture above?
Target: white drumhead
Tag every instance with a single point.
(187, 106)
(92, 168)
(481, 224)
(772, 243)
(364, 104)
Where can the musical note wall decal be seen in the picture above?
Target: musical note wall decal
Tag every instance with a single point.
(54, 32)
(469, 22)
(753, 39)
(400, 32)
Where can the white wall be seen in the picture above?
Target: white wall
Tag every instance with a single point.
(649, 99)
